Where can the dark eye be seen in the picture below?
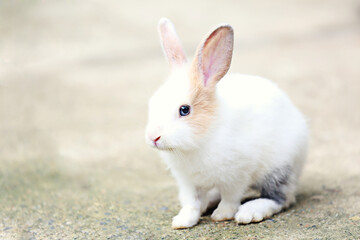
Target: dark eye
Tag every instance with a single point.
(184, 110)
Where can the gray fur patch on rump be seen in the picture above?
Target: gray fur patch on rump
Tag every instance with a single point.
(274, 184)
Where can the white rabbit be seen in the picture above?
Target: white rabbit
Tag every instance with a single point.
(221, 138)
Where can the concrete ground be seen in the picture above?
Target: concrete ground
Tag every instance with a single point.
(75, 77)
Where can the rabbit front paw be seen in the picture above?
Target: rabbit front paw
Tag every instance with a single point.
(224, 212)
(187, 217)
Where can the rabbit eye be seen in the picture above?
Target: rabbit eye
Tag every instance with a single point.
(184, 110)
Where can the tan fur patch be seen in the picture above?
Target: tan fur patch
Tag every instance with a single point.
(203, 102)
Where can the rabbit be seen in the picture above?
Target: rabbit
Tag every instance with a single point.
(222, 134)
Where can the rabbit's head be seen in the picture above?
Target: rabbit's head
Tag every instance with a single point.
(183, 109)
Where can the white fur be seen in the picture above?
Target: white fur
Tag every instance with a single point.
(257, 130)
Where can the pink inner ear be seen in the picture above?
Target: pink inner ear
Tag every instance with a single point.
(209, 64)
(209, 69)
(216, 55)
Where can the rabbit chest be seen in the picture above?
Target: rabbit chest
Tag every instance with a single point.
(207, 170)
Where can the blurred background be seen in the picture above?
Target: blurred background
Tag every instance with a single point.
(75, 78)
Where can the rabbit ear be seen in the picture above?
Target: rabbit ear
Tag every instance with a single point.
(213, 56)
(171, 44)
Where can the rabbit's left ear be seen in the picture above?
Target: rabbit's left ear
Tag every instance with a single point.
(213, 56)
(171, 44)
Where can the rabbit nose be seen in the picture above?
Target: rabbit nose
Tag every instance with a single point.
(156, 139)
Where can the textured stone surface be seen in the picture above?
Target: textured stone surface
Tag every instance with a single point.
(74, 82)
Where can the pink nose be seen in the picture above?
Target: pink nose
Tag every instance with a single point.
(156, 139)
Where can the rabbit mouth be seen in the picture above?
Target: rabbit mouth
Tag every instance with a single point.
(160, 146)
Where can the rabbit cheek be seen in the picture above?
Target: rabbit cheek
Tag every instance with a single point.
(183, 137)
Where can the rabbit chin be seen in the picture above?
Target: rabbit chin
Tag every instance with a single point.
(181, 147)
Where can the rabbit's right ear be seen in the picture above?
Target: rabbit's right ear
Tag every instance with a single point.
(213, 56)
(171, 44)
